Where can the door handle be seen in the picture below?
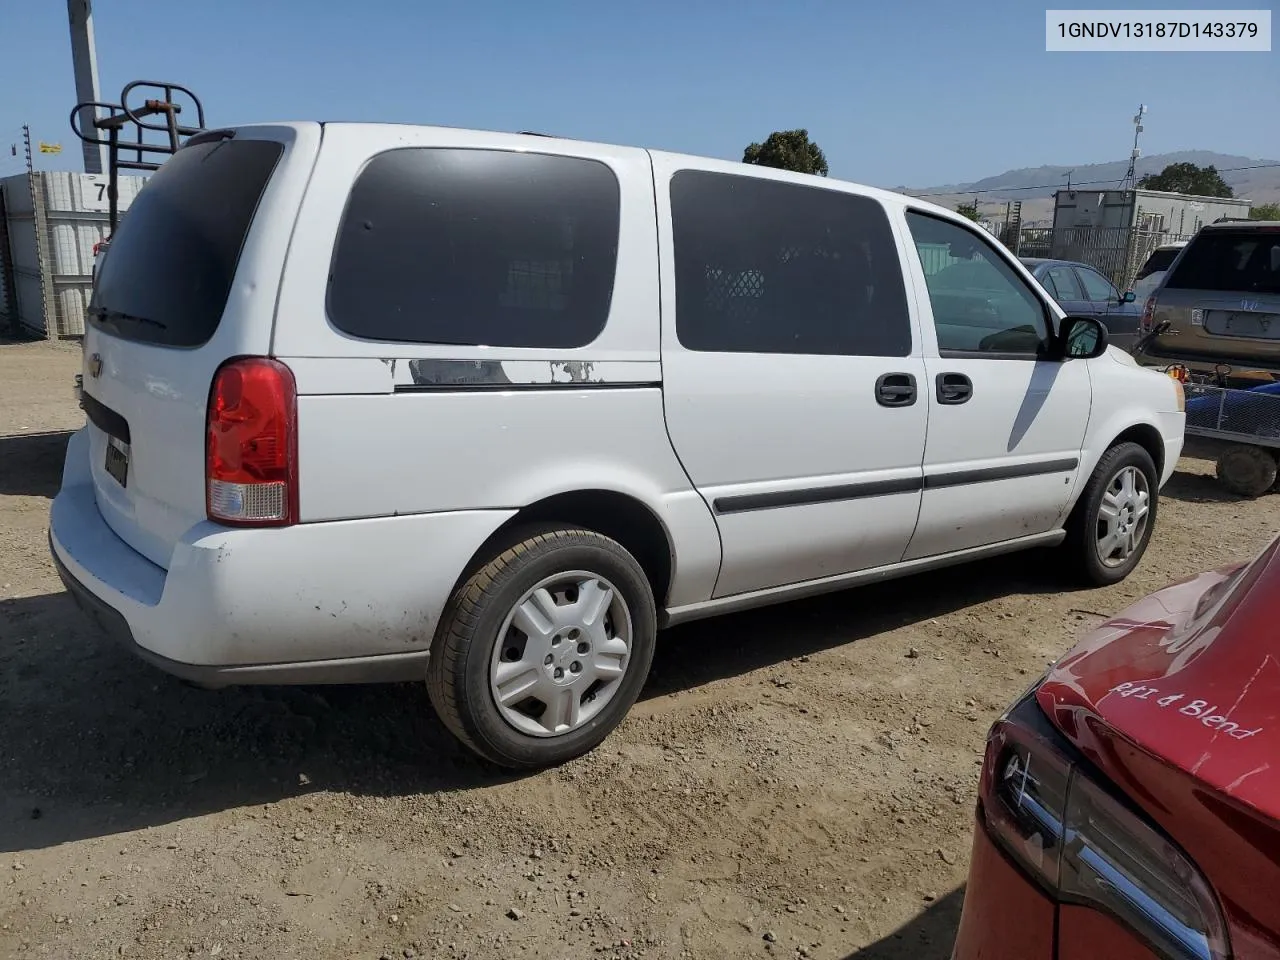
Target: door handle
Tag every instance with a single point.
(954, 388)
(896, 389)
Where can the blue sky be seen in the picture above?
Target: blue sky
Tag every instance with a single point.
(897, 92)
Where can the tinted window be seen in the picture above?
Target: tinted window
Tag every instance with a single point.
(769, 267)
(1064, 283)
(1230, 260)
(1159, 260)
(174, 254)
(1096, 286)
(980, 305)
(477, 247)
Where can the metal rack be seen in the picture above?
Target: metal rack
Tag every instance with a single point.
(139, 152)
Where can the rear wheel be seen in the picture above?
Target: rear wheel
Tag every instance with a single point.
(544, 649)
(1247, 470)
(1112, 522)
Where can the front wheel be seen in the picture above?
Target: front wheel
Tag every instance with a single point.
(1111, 525)
(544, 649)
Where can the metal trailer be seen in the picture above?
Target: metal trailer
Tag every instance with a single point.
(1239, 428)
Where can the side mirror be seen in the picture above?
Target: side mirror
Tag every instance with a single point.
(1129, 297)
(1082, 338)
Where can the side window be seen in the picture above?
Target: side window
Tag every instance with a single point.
(980, 305)
(477, 247)
(1064, 281)
(770, 267)
(1096, 286)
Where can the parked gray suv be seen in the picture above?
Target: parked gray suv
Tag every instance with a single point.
(1221, 301)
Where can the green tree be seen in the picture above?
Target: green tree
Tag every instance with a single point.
(1265, 211)
(1188, 178)
(788, 150)
(969, 210)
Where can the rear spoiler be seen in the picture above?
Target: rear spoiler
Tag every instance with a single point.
(146, 154)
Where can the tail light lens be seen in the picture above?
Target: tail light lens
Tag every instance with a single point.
(251, 444)
(1148, 321)
(1085, 846)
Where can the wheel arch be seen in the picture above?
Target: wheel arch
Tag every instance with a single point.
(619, 516)
(1146, 436)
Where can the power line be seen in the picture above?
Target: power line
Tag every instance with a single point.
(1058, 186)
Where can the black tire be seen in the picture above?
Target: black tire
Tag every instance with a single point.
(1247, 470)
(458, 672)
(1082, 526)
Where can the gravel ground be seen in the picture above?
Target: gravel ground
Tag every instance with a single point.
(794, 782)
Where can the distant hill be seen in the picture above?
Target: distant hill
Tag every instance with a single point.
(1260, 185)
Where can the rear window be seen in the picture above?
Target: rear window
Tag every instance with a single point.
(168, 271)
(477, 247)
(1159, 260)
(1230, 261)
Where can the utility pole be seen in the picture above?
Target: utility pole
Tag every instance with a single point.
(26, 145)
(84, 62)
(1131, 177)
(1123, 276)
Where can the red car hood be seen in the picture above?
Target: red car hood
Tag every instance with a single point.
(1189, 676)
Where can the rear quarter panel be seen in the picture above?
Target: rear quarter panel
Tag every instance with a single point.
(1005, 915)
(392, 429)
(1175, 701)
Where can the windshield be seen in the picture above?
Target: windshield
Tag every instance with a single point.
(175, 252)
(1230, 260)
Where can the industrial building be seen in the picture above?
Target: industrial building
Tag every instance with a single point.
(1116, 230)
(1146, 210)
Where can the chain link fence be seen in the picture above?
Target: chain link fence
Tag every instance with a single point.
(1116, 252)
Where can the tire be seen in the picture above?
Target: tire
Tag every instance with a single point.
(1247, 470)
(1088, 525)
(469, 657)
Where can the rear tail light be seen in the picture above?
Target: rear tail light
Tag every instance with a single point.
(1148, 321)
(251, 444)
(1086, 847)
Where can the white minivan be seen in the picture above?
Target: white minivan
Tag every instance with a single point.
(377, 402)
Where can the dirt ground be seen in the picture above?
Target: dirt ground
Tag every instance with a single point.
(795, 782)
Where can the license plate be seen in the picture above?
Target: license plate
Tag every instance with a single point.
(1255, 326)
(118, 461)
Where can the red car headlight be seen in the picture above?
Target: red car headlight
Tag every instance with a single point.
(1085, 845)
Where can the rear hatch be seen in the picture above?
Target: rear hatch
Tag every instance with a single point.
(1222, 299)
(1177, 702)
(190, 282)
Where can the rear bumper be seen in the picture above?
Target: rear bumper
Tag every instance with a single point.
(337, 602)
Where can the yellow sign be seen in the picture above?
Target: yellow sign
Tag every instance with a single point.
(50, 147)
